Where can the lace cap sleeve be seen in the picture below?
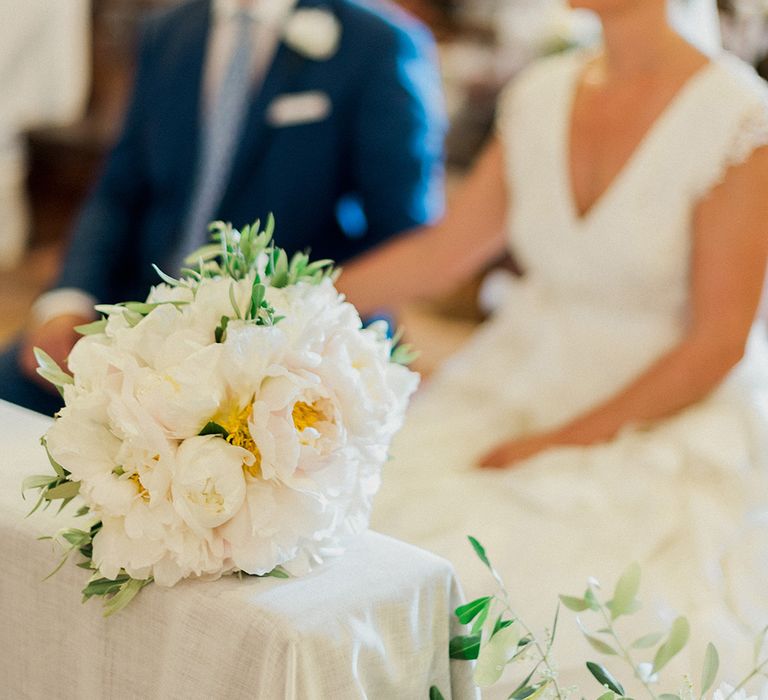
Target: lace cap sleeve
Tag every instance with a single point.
(744, 126)
(752, 133)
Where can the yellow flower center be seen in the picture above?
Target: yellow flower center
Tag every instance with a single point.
(235, 422)
(306, 415)
(142, 490)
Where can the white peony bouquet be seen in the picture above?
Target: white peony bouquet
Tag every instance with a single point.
(235, 421)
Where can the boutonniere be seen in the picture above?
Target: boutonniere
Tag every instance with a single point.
(313, 33)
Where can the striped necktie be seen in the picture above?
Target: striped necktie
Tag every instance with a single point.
(222, 128)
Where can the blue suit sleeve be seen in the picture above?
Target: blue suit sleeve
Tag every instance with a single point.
(398, 161)
(100, 248)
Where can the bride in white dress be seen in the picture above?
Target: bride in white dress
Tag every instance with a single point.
(624, 382)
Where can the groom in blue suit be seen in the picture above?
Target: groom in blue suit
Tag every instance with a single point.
(327, 113)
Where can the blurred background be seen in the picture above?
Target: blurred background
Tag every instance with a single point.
(66, 69)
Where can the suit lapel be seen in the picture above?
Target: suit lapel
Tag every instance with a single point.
(285, 67)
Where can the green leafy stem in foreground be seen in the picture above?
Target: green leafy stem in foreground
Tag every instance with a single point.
(508, 639)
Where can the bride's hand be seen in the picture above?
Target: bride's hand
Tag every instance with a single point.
(507, 453)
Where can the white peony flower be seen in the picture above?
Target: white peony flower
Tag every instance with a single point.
(295, 426)
(149, 341)
(114, 550)
(174, 398)
(93, 362)
(277, 526)
(249, 355)
(162, 293)
(314, 33)
(209, 484)
(373, 391)
(312, 313)
(213, 300)
(81, 441)
(178, 554)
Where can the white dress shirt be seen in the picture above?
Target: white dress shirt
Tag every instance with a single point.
(270, 16)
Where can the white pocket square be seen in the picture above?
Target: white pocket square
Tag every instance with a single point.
(299, 108)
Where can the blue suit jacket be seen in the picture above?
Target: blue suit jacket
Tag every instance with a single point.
(372, 167)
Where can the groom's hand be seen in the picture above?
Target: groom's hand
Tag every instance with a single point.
(57, 337)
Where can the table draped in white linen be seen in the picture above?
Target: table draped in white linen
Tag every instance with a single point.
(373, 623)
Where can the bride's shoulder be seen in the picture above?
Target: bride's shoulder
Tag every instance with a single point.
(736, 102)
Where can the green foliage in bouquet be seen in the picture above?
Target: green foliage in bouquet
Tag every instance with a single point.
(235, 255)
(248, 254)
(498, 637)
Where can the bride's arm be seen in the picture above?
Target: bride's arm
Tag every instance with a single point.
(429, 261)
(730, 248)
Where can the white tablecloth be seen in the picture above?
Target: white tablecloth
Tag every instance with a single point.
(374, 623)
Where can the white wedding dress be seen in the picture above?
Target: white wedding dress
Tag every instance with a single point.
(605, 294)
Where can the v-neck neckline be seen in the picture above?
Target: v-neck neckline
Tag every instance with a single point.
(575, 76)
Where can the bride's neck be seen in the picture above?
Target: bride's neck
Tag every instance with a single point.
(637, 40)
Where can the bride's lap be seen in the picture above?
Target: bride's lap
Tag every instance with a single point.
(672, 498)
